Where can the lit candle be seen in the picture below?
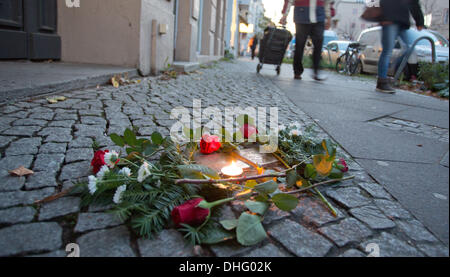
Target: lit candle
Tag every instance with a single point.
(233, 170)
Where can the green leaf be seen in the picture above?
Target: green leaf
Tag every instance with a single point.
(229, 224)
(118, 140)
(285, 202)
(130, 137)
(215, 235)
(251, 184)
(196, 171)
(336, 174)
(257, 207)
(291, 178)
(310, 172)
(157, 138)
(267, 187)
(250, 230)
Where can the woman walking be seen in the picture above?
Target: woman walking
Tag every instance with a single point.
(395, 22)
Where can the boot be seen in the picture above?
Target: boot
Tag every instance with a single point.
(384, 86)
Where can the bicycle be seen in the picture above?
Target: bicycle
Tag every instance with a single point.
(349, 63)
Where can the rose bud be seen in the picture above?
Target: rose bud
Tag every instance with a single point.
(209, 144)
(342, 165)
(195, 212)
(98, 161)
(248, 130)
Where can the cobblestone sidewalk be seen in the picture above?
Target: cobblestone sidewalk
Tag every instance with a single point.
(55, 141)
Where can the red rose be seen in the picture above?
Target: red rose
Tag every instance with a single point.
(209, 144)
(342, 165)
(98, 161)
(248, 130)
(189, 213)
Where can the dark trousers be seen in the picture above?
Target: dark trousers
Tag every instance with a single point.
(315, 31)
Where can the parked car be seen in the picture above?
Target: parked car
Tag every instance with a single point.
(328, 36)
(371, 40)
(334, 50)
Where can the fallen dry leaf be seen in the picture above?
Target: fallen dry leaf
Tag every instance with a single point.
(21, 171)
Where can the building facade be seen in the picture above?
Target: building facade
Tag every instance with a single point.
(148, 35)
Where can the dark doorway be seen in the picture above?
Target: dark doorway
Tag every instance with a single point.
(28, 30)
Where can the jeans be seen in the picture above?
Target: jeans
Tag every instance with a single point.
(315, 31)
(388, 39)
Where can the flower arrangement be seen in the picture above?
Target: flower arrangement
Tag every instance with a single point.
(158, 181)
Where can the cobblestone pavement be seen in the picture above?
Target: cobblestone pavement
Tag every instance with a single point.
(55, 141)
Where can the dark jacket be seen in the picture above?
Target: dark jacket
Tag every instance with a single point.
(309, 11)
(398, 12)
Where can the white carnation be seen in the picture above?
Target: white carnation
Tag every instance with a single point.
(92, 185)
(102, 172)
(125, 171)
(143, 172)
(295, 133)
(118, 195)
(111, 158)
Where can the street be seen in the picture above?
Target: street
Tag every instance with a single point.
(399, 144)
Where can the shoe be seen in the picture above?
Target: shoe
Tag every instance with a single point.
(384, 86)
(297, 76)
(319, 78)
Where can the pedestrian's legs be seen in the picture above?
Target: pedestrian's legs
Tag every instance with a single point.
(317, 40)
(389, 35)
(302, 32)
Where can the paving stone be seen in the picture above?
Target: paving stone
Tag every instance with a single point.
(75, 171)
(17, 215)
(54, 254)
(268, 251)
(349, 197)
(55, 131)
(93, 120)
(48, 162)
(416, 231)
(314, 212)
(299, 240)
(58, 138)
(373, 217)
(93, 221)
(238, 206)
(99, 208)
(25, 131)
(25, 146)
(59, 207)
(30, 122)
(392, 209)
(168, 243)
(90, 112)
(106, 243)
(434, 250)
(34, 237)
(66, 116)
(391, 246)
(352, 253)
(81, 142)
(11, 183)
(53, 148)
(79, 154)
(347, 231)
(375, 190)
(20, 114)
(44, 116)
(15, 198)
(4, 141)
(274, 214)
(228, 249)
(41, 179)
(89, 130)
(62, 123)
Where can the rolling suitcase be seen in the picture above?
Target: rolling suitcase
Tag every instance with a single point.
(273, 47)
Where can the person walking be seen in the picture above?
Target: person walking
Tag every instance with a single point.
(395, 22)
(254, 43)
(311, 18)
